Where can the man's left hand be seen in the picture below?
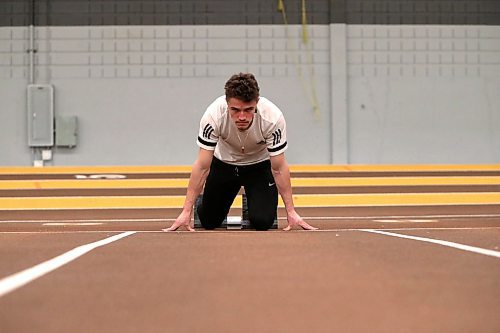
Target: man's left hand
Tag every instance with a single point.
(294, 219)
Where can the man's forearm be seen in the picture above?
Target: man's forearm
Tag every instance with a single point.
(195, 185)
(282, 178)
(281, 174)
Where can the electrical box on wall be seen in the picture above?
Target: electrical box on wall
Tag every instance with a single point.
(66, 131)
(40, 115)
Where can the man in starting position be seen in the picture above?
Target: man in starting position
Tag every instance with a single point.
(242, 141)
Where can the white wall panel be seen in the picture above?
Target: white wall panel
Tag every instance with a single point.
(433, 105)
(414, 94)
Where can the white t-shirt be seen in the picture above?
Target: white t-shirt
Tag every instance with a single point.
(265, 137)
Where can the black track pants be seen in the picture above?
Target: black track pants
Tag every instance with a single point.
(223, 184)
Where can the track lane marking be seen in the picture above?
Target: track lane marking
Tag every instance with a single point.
(300, 200)
(296, 182)
(293, 168)
(17, 280)
(240, 231)
(459, 246)
(60, 224)
(369, 217)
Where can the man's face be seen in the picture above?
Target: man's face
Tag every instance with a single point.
(242, 112)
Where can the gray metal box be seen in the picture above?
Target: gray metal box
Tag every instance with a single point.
(66, 131)
(40, 115)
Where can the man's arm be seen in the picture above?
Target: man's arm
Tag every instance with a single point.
(199, 174)
(281, 174)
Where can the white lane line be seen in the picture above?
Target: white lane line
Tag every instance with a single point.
(459, 246)
(406, 221)
(296, 231)
(17, 280)
(111, 220)
(60, 224)
(405, 217)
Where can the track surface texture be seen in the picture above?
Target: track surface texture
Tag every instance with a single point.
(400, 249)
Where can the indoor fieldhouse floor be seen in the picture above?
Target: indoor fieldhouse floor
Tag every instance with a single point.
(400, 249)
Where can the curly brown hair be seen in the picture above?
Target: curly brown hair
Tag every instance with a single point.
(242, 86)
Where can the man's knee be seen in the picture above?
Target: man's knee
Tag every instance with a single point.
(204, 219)
(208, 221)
(262, 222)
(210, 224)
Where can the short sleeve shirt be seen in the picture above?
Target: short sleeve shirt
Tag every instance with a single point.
(265, 137)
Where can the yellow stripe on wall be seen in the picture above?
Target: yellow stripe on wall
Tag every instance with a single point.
(306, 200)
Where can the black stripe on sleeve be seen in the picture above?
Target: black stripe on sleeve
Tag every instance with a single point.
(206, 143)
(272, 150)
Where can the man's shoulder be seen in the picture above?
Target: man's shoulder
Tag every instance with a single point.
(268, 111)
(219, 104)
(217, 109)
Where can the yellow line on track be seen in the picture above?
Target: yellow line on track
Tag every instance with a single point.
(85, 170)
(92, 184)
(395, 181)
(306, 200)
(395, 167)
(296, 182)
(293, 168)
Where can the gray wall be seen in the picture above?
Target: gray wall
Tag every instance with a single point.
(401, 82)
(424, 94)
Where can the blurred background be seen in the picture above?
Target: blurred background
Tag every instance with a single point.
(125, 82)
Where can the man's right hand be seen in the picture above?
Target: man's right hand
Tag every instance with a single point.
(184, 219)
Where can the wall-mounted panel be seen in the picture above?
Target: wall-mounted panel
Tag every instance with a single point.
(66, 131)
(40, 115)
